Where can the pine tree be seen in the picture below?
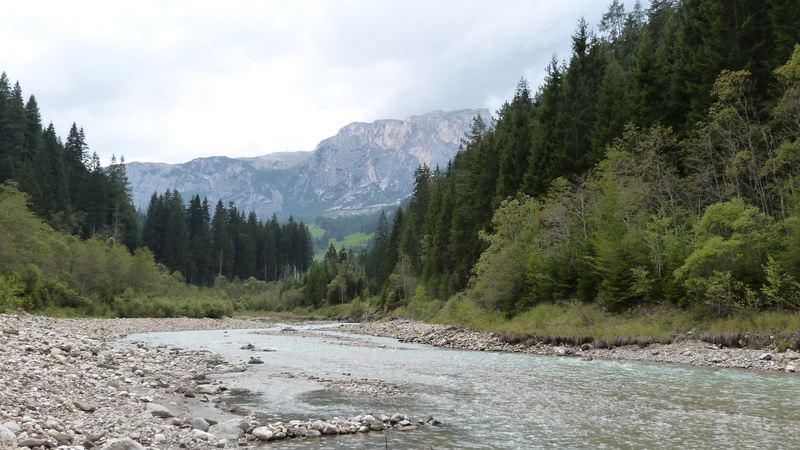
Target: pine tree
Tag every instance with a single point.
(270, 249)
(53, 181)
(513, 134)
(13, 123)
(31, 174)
(154, 223)
(548, 157)
(200, 268)
(121, 214)
(175, 253)
(378, 254)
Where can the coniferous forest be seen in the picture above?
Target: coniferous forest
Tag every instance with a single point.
(656, 166)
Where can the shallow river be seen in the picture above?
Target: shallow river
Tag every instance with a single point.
(496, 400)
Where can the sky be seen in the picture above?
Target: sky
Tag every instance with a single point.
(170, 81)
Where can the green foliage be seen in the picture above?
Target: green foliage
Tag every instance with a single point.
(658, 164)
(11, 290)
(423, 307)
(499, 281)
(730, 251)
(191, 304)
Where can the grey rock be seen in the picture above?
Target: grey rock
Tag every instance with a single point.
(203, 435)
(30, 442)
(329, 429)
(376, 425)
(311, 433)
(199, 423)
(361, 169)
(561, 351)
(122, 444)
(765, 357)
(159, 410)
(230, 429)
(263, 433)
(84, 405)
(205, 389)
(8, 440)
(63, 437)
(13, 426)
(254, 360)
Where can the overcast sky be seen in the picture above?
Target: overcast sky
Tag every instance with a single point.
(172, 81)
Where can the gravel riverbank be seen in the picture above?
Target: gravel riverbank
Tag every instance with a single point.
(69, 383)
(686, 351)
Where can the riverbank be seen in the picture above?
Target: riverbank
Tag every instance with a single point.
(683, 350)
(71, 383)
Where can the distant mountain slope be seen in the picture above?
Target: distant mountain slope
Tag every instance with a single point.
(365, 167)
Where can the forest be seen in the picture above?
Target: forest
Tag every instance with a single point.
(656, 166)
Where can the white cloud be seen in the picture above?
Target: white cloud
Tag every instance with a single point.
(171, 81)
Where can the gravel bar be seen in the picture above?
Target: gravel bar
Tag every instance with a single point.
(685, 351)
(71, 384)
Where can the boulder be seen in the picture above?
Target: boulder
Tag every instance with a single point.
(263, 433)
(8, 440)
(202, 435)
(230, 429)
(198, 423)
(311, 433)
(13, 426)
(122, 444)
(561, 351)
(84, 406)
(158, 410)
(207, 389)
(30, 443)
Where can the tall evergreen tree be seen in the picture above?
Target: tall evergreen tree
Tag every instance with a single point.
(13, 121)
(513, 134)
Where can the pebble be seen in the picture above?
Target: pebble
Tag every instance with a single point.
(83, 388)
(688, 350)
(8, 440)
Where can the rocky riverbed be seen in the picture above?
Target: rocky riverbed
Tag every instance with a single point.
(683, 351)
(69, 383)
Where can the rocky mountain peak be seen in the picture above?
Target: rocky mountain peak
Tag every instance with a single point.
(363, 168)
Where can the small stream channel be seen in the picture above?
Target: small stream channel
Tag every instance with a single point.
(497, 400)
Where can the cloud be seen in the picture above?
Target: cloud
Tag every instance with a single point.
(171, 81)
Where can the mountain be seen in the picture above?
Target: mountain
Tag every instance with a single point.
(364, 168)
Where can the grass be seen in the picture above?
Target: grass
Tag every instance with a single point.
(316, 231)
(353, 241)
(576, 323)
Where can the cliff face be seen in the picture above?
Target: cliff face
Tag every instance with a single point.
(365, 167)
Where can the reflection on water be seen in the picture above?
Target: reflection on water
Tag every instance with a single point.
(495, 400)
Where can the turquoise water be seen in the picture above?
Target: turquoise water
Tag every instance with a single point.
(496, 400)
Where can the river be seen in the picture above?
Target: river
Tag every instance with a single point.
(501, 400)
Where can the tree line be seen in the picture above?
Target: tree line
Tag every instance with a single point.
(658, 162)
(67, 185)
(70, 239)
(229, 243)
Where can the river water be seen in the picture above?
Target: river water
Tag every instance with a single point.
(497, 400)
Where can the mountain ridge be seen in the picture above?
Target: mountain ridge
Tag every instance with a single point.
(365, 167)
